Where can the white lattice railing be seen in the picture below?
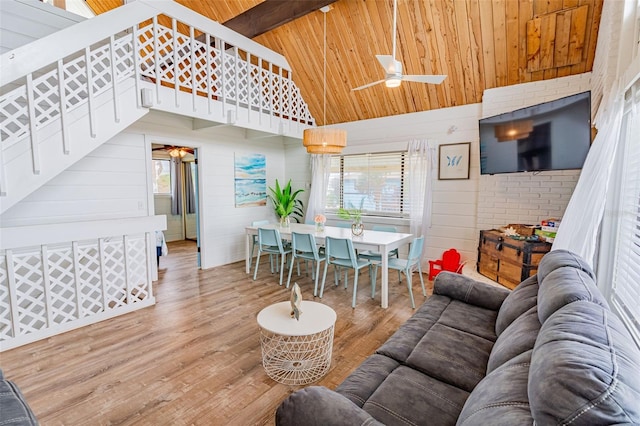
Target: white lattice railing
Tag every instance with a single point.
(76, 274)
(143, 44)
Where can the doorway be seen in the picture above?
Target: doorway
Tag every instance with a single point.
(175, 187)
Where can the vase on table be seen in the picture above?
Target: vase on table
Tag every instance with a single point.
(357, 228)
(285, 222)
(320, 219)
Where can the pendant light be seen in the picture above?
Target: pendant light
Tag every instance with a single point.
(323, 140)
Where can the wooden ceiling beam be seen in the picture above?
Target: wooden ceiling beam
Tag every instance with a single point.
(271, 14)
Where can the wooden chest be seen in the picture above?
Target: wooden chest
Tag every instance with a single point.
(506, 260)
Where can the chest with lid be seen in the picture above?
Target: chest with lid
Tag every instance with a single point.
(506, 260)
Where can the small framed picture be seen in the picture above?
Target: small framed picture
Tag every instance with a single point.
(454, 161)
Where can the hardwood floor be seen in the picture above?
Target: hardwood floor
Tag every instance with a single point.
(194, 357)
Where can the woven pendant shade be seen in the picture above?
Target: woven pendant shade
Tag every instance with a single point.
(320, 140)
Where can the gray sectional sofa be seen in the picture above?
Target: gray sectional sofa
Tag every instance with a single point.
(549, 352)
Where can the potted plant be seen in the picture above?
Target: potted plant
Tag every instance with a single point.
(355, 216)
(286, 203)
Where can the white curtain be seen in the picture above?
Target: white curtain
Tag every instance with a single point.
(581, 220)
(320, 171)
(421, 159)
(176, 185)
(189, 189)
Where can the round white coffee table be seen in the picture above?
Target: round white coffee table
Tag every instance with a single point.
(296, 352)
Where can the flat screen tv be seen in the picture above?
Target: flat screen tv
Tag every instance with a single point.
(554, 135)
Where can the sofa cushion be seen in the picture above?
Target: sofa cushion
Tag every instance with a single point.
(560, 258)
(563, 286)
(451, 355)
(361, 384)
(519, 301)
(470, 319)
(405, 339)
(501, 397)
(14, 409)
(410, 397)
(585, 369)
(518, 338)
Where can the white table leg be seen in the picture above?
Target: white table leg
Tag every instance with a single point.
(384, 291)
(247, 252)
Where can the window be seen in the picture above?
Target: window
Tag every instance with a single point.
(161, 177)
(373, 181)
(626, 277)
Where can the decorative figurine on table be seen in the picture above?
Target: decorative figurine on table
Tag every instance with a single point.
(296, 302)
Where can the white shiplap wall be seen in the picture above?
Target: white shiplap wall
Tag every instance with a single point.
(109, 183)
(114, 182)
(526, 197)
(222, 224)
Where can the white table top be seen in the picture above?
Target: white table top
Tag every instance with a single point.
(315, 318)
(368, 237)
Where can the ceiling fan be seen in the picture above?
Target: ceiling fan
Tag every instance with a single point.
(174, 151)
(393, 67)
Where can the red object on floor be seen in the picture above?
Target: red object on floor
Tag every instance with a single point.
(450, 262)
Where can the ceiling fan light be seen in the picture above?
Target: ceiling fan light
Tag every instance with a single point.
(392, 82)
(177, 152)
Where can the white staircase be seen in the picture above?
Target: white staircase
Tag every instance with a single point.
(65, 94)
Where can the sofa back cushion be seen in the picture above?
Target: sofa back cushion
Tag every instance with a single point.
(518, 338)
(501, 397)
(519, 301)
(560, 258)
(585, 369)
(566, 285)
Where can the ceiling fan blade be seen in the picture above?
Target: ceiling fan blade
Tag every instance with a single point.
(367, 85)
(389, 64)
(431, 79)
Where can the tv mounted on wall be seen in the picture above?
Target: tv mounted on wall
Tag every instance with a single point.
(554, 135)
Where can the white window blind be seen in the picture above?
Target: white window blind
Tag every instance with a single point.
(626, 280)
(373, 182)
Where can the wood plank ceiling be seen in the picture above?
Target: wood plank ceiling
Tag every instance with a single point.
(479, 44)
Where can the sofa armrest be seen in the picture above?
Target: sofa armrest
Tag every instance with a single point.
(470, 291)
(14, 409)
(317, 405)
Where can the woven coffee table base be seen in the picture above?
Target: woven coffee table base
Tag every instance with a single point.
(296, 360)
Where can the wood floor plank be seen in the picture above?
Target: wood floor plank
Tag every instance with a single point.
(194, 357)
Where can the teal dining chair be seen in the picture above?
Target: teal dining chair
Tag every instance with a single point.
(373, 256)
(340, 253)
(269, 241)
(406, 266)
(303, 246)
(254, 244)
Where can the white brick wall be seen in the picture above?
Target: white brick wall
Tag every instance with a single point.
(526, 197)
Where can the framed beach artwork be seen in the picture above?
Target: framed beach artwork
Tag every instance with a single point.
(250, 180)
(454, 161)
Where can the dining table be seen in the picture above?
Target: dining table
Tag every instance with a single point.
(377, 241)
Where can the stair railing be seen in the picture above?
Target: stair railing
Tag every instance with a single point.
(163, 43)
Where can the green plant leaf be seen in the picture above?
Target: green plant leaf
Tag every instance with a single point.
(285, 202)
